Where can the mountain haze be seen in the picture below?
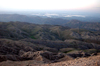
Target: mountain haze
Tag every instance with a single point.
(32, 19)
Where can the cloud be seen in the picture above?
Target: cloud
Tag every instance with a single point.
(74, 16)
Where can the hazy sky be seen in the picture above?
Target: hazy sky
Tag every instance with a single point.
(13, 5)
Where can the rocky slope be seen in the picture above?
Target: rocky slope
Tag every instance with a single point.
(26, 44)
(90, 61)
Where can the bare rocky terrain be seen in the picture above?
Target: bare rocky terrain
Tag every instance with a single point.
(88, 61)
(26, 44)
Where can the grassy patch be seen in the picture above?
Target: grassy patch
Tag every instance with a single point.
(32, 37)
(66, 50)
(90, 51)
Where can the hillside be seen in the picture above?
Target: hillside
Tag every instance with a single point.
(22, 42)
(95, 26)
(21, 30)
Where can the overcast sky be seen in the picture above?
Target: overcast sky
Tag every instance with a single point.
(19, 5)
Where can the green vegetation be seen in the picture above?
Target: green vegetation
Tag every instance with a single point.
(66, 50)
(90, 51)
(32, 37)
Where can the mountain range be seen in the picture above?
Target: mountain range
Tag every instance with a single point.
(50, 21)
(31, 19)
